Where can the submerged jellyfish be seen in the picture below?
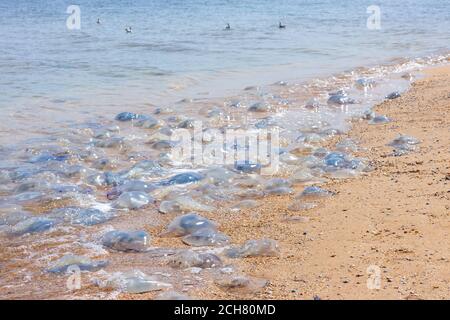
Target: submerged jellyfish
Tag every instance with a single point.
(340, 98)
(83, 263)
(129, 241)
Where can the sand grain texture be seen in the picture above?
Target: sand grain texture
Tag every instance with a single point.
(396, 217)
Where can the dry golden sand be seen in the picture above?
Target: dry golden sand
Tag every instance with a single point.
(396, 217)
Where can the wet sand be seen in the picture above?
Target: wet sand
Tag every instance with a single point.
(396, 217)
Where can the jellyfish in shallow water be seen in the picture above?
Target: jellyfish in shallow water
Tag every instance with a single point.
(128, 241)
(84, 263)
(133, 200)
(187, 224)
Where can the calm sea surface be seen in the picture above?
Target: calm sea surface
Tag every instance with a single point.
(179, 49)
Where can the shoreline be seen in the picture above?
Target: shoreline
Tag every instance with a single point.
(375, 219)
(395, 217)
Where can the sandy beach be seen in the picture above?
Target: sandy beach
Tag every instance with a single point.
(395, 218)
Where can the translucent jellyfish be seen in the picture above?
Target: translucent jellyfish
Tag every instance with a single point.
(169, 206)
(189, 259)
(184, 204)
(114, 142)
(147, 123)
(404, 142)
(314, 192)
(133, 200)
(84, 263)
(144, 169)
(128, 241)
(130, 185)
(187, 224)
(128, 116)
(380, 120)
(183, 178)
(206, 237)
(32, 225)
(135, 282)
(255, 248)
(365, 83)
(83, 216)
(340, 98)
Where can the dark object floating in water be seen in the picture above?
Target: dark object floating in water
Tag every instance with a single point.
(128, 30)
(247, 166)
(128, 116)
(393, 95)
(228, 27)
(281, 26)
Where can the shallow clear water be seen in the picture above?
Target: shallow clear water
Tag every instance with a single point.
(179, 49)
